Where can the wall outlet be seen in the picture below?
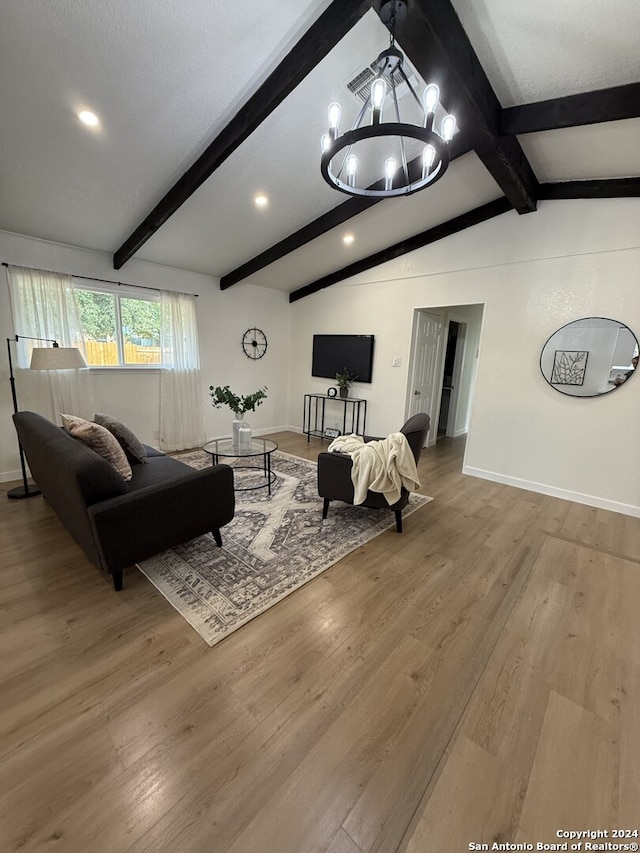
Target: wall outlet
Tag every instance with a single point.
(156, 433)
(397, 361)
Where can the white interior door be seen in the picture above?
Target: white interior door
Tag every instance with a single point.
(426, 374)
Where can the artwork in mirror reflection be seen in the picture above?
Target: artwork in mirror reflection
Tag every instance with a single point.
(569, 367)
(590, 357)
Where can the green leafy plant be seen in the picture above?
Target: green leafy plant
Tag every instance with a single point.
(345, 378)
(224, 396)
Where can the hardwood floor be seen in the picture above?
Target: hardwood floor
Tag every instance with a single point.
(474, 679)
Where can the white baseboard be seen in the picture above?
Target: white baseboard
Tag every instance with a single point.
(270, 430)
(552, 491)
(9, 476)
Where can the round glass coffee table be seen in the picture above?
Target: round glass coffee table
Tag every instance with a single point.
(224, 448)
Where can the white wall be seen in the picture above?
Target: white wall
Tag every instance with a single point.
(533, 274)
(133, 396)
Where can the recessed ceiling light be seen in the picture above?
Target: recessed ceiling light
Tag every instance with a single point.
(348, 239)
(88, 118)
(261, 200)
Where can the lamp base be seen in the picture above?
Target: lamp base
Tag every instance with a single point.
(21, 492)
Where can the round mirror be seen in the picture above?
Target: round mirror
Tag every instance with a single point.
(589, 357)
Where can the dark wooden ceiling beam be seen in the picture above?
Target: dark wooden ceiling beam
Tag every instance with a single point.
(608, 188)
(614, 104)
(332, 219)
(314, 45)
(433, 37)
(438, 232)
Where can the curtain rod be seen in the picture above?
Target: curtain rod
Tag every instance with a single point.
(106, 280)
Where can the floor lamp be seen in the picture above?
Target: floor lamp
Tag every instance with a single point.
(54, 357)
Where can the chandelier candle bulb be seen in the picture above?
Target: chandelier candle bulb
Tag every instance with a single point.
(378, 94)
(390, 166)
(448, 128)
(431, 98)
(325, 142)
(428, 156)
(351, 167)
(335, 113)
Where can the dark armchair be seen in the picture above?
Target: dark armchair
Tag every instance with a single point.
(334, 473)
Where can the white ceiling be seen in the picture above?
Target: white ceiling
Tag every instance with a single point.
(608, 150)
(466, 185)
(551, 48)
(165, 77)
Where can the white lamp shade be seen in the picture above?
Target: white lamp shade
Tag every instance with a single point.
(56, 358)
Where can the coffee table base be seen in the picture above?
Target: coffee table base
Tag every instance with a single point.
(267, 473)
(222, 450)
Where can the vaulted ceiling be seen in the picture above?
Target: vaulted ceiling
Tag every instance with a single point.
(203, 104)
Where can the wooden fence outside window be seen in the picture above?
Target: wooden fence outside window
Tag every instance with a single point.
(106, 353)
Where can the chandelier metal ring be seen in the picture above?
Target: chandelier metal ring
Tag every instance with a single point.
(411, 131)
(388, 83)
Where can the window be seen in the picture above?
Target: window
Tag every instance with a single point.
(121, 329)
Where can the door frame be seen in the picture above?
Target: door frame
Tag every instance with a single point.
(432, 435)
(447, 312)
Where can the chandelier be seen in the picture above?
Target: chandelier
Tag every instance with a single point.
(388, 158)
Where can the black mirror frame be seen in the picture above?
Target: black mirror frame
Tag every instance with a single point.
(578, 320)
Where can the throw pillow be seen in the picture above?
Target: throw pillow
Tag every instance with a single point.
(99, 439)
(127, 440)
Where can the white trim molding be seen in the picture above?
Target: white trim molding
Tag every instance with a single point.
(552, 491)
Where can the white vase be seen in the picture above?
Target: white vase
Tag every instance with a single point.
(235, 435)
(244, 437)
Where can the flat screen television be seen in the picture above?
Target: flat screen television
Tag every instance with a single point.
(332, 353)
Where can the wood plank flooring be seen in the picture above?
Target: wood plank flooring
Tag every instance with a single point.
(474, 679)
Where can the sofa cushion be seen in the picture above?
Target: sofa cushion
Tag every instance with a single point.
(100, 440)
(158, 469)
(132, 447)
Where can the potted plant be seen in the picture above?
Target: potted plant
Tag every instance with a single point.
(344, 381)
(239, 405)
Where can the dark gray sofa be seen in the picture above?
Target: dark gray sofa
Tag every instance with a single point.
(119, 523)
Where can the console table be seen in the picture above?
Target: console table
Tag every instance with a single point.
(351, 410)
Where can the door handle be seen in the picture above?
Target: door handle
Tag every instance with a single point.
(416, 393)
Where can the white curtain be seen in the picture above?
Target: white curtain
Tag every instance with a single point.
(181, 408)
(43, 305)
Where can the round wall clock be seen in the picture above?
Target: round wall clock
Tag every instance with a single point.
(254, 343)
(332, 392)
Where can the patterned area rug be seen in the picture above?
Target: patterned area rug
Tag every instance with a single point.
(273, 546)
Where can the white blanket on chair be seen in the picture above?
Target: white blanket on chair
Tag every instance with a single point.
(383, 466)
